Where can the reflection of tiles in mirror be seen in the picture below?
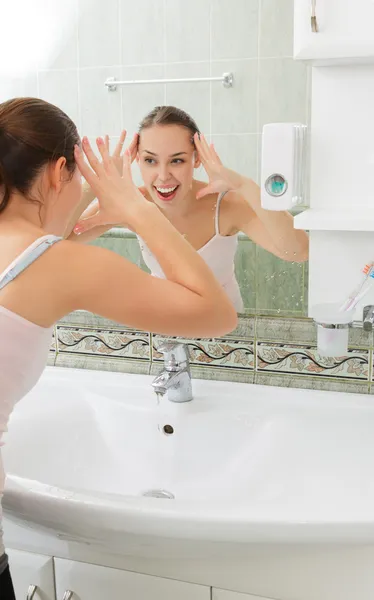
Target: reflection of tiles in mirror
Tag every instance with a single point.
(221, 352)
(304, 360)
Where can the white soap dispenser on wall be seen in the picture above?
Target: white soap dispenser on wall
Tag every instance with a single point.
(283, 166)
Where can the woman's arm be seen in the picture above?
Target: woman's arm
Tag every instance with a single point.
(272, 230)
(189, 302)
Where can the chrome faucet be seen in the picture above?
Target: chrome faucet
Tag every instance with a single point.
(175, 379)
(368, 318)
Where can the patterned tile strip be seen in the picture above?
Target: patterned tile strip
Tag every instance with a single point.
(104, 343)
(304, 360)
(236, 355)
(226, 353)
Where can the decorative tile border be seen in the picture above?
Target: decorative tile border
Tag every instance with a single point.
(262, 350)
(104, 343)
(304, 360)
(222, 352)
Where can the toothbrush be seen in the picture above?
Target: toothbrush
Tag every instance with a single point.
(366, 287)
(360, 291)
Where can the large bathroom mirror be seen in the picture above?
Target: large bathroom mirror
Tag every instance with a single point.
(89, 41)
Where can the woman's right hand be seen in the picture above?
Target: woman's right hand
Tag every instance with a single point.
(117, 155)
(118, 197)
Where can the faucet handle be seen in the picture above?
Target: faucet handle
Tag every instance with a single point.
(368, 317)
(175, 354)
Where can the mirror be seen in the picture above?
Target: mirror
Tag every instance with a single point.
(78, 49)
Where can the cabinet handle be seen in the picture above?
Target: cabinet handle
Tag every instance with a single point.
(31, 592)
(313, 18)
(67, 595)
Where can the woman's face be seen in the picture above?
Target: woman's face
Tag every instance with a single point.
(167, 159)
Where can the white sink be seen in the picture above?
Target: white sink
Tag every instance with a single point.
(245, 463)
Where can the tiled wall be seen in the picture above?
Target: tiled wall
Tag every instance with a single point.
(184, 38)
(262, 350)
(176, 38)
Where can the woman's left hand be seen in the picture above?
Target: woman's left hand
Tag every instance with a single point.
(221, 179)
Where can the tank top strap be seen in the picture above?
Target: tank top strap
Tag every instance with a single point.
(216, 218)
(27, 257)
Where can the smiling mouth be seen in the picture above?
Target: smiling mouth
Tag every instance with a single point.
(166, 193)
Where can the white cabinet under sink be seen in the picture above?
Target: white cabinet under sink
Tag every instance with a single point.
(226, 595)
(91, 582)
(32, 570)
(345, 31)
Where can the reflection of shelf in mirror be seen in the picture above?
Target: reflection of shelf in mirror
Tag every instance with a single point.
(339, 219)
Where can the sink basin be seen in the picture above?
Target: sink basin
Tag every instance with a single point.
(240, 463)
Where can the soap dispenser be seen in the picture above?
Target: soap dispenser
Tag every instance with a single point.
(283, 166)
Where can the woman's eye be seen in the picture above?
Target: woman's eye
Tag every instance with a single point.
(178, 161)
(150, 161)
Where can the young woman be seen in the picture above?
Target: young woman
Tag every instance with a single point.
(169, 147)
(43, 276)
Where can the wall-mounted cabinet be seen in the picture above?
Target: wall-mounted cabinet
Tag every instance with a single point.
(334, 31)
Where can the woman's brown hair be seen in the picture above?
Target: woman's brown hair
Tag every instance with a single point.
(33, 134)
(169, 115)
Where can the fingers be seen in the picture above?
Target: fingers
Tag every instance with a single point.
(104, 153)
(202, 148)
(107, 143)
(215, 155)
(84, 225)
(205, 146)
(126, 166)
(133, 147)
(90, 211)
(91, 157)
(85, 170)
(118, 150)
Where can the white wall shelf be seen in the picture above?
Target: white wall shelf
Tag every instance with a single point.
(344, 219)
(334, 32)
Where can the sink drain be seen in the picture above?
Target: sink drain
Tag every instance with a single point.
(159, 494)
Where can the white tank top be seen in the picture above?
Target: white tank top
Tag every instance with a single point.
(218, 253)
(24, 347)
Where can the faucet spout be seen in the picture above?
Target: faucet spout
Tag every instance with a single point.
(163, 382)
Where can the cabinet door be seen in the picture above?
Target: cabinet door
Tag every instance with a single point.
(90, 582)
(345, 30)
(226, 595)
(29, 569)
